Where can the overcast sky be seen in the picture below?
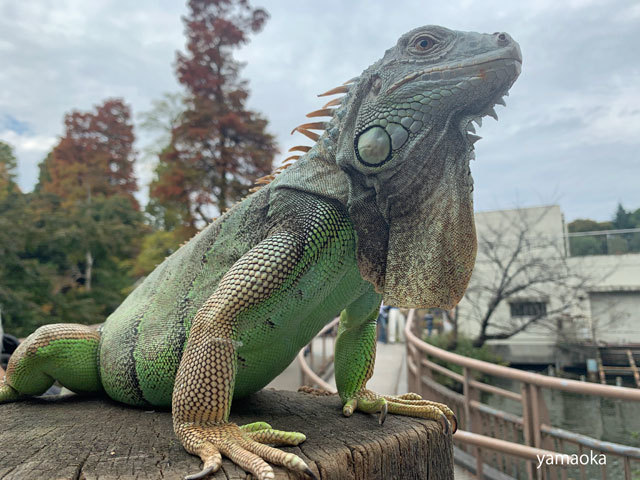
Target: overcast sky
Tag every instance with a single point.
(570, 133)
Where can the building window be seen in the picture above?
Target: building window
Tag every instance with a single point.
(528, 309)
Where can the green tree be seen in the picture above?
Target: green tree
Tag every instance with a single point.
(635, 218)
(622, 218)
(24, 281)
(25, 287)
(58, 240)
(68, 248)
(587, 225)
(155, 247)
(8, 166)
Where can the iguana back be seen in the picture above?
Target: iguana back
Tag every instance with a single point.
(143, 340)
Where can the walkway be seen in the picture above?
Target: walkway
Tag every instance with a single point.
(389, 377)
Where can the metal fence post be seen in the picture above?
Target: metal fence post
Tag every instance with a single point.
(418, 361)
(526, 424)
(466, 391)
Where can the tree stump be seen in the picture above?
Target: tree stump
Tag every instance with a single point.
(95, 438)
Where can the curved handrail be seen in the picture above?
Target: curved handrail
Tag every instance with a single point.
(308, 372)
(521, 451)
(622, 393)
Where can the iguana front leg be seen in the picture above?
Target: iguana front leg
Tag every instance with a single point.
(354, 360)
(205, 380)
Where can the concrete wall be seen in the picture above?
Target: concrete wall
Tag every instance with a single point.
(608, 305)
(616, 316)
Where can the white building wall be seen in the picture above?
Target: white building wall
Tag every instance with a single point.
(545, 233)
(613, 308)
(608, 308)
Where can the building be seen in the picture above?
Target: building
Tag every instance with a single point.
(528, 280)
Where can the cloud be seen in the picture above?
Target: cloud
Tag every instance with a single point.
(9, 122)
(570, 129)
(30, 149)
(25, 142)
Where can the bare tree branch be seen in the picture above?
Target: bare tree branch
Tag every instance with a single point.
(519, 263)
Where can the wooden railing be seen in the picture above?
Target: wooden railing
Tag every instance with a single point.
(504, 445)
(503, 434)
(310, 375)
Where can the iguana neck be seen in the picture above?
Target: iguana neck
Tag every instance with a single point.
(371, 206)
(317, 172)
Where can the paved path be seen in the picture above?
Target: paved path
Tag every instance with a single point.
(389, 375)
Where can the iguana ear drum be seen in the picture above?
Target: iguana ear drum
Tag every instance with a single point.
(373, 146)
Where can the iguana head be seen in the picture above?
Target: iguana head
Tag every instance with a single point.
(402, 139)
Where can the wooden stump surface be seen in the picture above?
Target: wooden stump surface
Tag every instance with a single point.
(97, 439)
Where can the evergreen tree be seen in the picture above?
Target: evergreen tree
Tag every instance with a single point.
(24, 285)
(622, 218)
(68, 248)
(7, 171)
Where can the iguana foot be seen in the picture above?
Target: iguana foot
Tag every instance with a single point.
(244, 445)
(409, 404)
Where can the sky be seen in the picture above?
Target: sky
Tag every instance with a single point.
(570, 133)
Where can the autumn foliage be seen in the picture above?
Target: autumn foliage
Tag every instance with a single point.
(74, 247)
(219, 147)
(95, 156)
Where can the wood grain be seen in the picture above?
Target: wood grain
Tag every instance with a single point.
(97, 439)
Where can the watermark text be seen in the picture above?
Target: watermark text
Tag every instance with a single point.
(592, 458)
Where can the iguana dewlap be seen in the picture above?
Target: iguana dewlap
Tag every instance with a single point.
(379, 208)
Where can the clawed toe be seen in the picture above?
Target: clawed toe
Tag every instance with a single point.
(202, 474)
(409, 404)
(445, 424)
(245, 446)
(383, 413)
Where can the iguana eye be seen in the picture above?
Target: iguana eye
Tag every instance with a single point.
(423, 43)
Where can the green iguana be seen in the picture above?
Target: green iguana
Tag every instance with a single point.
(380, 208)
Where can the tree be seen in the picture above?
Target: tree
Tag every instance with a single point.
(7, 171)
(520, 266)
(163, 117)
(93, 161)
(43, 275)
(609, 243)
(156, 246)
(219, 147)
(24, 282)
(622, 219)
(635, 218)
(94, 157)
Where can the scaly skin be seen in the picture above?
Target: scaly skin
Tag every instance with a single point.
(380, 207)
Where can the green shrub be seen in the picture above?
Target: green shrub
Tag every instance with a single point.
(464, 346)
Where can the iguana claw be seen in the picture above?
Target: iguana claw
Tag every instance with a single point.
(203, 473)
(245, 446)
(455, 424)
(445, 424)
(410, 404)
(413, 405)
(310, 474)
(383, 413)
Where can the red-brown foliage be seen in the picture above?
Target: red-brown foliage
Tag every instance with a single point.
(95, 156)
(219, 148)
